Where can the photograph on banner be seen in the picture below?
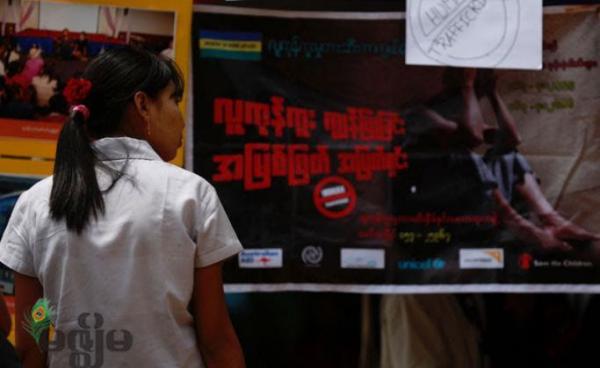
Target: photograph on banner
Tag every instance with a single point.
(340, 166)
(44, 45)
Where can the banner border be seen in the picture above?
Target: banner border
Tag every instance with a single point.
(375, 15)
(390, 288)
(415, 289)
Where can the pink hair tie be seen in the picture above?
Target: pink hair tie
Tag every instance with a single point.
(83, 110)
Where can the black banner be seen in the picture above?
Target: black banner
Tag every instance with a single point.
(343, 168)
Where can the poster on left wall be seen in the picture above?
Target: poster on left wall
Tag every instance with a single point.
(44, 44)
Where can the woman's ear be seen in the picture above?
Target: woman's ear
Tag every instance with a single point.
(141, 102)
(141, 110)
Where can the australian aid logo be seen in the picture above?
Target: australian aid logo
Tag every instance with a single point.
(261, 258)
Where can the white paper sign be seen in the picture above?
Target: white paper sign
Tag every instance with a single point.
(475, 33)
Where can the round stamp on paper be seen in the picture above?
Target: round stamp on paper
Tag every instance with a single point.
(459, 32)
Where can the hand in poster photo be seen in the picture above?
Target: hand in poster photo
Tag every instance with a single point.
(504, 171)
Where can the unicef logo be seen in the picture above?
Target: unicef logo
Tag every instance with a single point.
(424, 264)
(312, 255)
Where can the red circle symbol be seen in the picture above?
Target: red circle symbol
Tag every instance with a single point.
(334, 197)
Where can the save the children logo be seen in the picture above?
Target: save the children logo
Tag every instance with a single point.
(86, 344)
(525, 261)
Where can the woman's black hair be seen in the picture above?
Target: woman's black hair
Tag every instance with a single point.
(116, 76)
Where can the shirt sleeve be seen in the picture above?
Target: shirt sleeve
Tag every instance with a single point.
(15, 246)
(215, 238)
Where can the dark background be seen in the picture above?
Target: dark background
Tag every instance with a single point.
(323, 330)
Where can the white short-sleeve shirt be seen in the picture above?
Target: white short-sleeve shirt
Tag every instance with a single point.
(134, 265)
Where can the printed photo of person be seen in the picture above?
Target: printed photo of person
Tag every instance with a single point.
(483, 167)
(44, 44)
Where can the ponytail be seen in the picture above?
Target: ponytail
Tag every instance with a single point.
(99, 100)
(75, 194)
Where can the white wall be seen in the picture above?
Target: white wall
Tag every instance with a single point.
(34, 20)
(77, 18)
(6, 11)
(103, 26)
(10, 14)
(88, 18)
(142, 21)
(152, 22)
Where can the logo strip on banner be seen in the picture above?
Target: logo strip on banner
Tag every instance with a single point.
(261, 258)
(363, 258)
(231, 45)
(481, 258)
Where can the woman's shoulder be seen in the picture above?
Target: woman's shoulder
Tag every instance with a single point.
(183, 178)
(39, 192)
(32, 203)
(174, 171)
(37, 197)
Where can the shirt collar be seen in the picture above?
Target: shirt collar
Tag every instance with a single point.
(121, 148)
